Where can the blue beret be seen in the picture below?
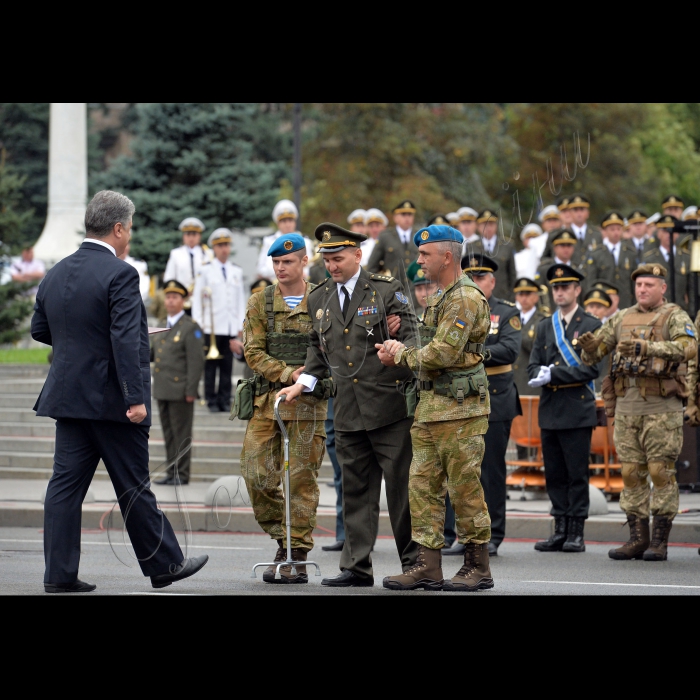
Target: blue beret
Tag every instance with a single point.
(433, 234)
(285, 244)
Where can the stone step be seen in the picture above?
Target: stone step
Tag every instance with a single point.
(17, 400)
(20, 371)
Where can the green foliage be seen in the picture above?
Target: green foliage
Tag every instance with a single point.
(24, 356)
(220, 162)
(13, 223)
(14, 309)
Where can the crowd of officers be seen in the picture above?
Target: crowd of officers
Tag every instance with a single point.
(422, 340)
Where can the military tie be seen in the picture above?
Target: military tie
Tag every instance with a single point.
(192, 263)
(223, 270)
(346, 302)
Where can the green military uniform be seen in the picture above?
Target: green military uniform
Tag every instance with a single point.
(650, 386)
(601, 265)
(261, 458)
(178, 356)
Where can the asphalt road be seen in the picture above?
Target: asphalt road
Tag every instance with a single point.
(518, 571)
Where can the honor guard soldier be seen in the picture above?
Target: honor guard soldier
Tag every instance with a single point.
(667, 227)
(526, 297)
(185, 262)
(567, 413)
(615, 259)
(550, 218)
(285, 215)
(563, 207)
(654, 349)
(466, 224)
(496, 249)
(450, 422)
(179, 360)
(351, 312)
(375, 224)
(276, 337)
(563, 243)
(219, 308)
(613, 294)
(452, 218)
(672, 206)
(395, 250)
(638, 229)
(502, 350)
(598, 303)
(589, 238)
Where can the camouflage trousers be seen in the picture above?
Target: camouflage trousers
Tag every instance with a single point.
(447, 456)
(262, 467)
(647, 447)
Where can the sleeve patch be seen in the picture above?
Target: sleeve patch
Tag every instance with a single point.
(198, 334)
(454, 338)
(459, 323)
(690, 330)
(401, 297)
(515, 322)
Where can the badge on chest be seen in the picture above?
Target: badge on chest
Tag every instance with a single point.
(494, 324)
(366, 310)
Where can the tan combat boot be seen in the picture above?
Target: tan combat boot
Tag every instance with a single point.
(280, 555)
(286, 571)
(475, 574)
(638, 542)
(426, 573)
(659, 539)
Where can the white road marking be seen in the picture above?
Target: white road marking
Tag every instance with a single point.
(590, 583)
(107, 544)
(155, 593)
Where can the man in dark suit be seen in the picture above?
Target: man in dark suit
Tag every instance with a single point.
(89, 309)
(351, 313)
(567, 412)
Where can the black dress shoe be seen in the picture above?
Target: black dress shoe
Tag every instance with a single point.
(77, 587)
(172, 481)
(493, 549)
(347, 579)
(187, 568)
(456, 550)
(335, 547)
(225, 409)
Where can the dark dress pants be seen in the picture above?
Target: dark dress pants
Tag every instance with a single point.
(176, 418)
(449, 532)
(219, 398)
(566, 470)
(123, 448)
(493, 476)
(337, 474)
(364, 457)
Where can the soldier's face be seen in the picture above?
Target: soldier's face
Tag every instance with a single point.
(467, 228)
(222, 251)
(191, 238)
(564, 251)
(566, 217)
(598, 310)
(551, 225)
(649, 291)
(489, 229)
(289, 268)
(579, 215)
(613, 233)
(358, 228)
(431, 260)
(486, 283)
(527, 300)
(404, 220)
(374, 228)
(564, 295)
(638, 230)
(174, 303)
(343, 264)
(674, 211)
(287, 225)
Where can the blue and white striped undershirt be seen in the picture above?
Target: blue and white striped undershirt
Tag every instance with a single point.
(293, 302)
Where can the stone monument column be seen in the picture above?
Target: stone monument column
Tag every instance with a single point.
(65, 224)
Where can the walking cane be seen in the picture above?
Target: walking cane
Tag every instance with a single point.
(287, 508)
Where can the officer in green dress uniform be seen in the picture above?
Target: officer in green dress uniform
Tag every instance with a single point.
(179, 361)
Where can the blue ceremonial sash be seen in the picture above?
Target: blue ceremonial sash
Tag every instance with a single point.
(565, 349)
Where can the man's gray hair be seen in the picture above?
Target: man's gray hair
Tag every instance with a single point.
(106, 209)
(451, 247)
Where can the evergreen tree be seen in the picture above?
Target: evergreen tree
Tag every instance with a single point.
(220, 162)
(14, 309)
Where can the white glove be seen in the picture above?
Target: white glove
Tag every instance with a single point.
(544, 377)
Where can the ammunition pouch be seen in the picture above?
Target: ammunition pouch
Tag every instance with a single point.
(243, 400)
(412, 396)
(609, 396)
(288, 347)
(649, 386)
(460, 384)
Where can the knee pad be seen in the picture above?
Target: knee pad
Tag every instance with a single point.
(662, 473)
(631, 476)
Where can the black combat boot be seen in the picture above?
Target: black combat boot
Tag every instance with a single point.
(658, 549)
(574, 539)
(556, 541)
(638, 542)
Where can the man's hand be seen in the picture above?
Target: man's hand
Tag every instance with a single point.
(296, 374)
(137, 413)
(589, 342)
(394, 323)
(544, 377)
(632, 348)
(190, 399)
(691, 415)
(236, 346)
(292, 393)
(387, 350)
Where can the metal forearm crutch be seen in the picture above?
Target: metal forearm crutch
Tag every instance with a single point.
(287, 508)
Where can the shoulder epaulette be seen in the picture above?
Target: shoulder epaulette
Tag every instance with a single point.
(205, 247)
(505, 301)
(649, 252)
(317, 287)
(382, 278)
(588, 313)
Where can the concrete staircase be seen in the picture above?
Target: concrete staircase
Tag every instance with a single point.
(27, 441)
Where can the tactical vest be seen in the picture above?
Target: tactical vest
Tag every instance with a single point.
(653, 375)
(289, 346)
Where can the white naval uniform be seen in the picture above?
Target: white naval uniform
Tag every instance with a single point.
(141, 267)
(227, 296)
(367, 248)
(265, 269)
(182, 260)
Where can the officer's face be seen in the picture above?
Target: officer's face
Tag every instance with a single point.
(289, 268)
(486, 283)
(551, 224)
(174, 303)
(649, 291)
(432, 261)
(565, 294)
(598, 310)
(664, 237)
(287, 225)
(674, 211)
(613, 233)
(488, 229)
(566, 217)
(222, 251)
(374, 228)
(404, 220)
(638, 230)
(358, 228)
(467, 228)
(579, 215)
(191, 238)
(343, 264)
(527, 299)
(564, 251)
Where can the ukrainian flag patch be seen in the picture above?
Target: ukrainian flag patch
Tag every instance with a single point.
(459, 323)
(690, 330)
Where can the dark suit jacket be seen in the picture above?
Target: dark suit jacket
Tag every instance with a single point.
(503, 341)
(89, 309)
(564, 407)
(369, 394)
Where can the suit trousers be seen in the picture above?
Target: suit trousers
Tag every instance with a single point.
(566, 455)
(337, 474)
(493, 476)
(220, 397)
(176, 418)
(123, 448)
(365, 456)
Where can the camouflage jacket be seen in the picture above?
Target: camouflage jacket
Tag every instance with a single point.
(461, 314)
(255, 348)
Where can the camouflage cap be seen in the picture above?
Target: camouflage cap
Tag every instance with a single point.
(650, 270)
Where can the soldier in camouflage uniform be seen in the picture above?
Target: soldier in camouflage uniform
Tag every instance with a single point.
(654, 345)
(278, 361)
(450, 421)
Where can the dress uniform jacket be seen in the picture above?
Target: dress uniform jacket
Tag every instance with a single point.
(592, 240)
(504, 255)
(184, 264)
(227, 298)
(541, 276)
(601, 265)
(392, 256)
(528, 340)
(682, 264)
(563, 406)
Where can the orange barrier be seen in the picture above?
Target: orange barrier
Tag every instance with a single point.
(605, 476)
(525, 432)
